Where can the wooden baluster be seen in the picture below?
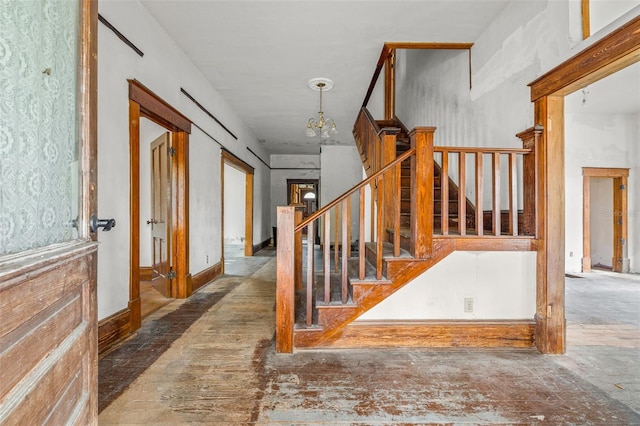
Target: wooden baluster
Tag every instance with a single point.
(336, 240)
(347, 247)
(396, 213)
(462, 193)
(327, 257)
(379, 228)
(496, 193)
(422, 192)
(513, 195)
(372, 206)
(298, 252)
(361, 254)
(444, 193)
(310, 271)
(285, 291)
(479, 194)
(345, 244)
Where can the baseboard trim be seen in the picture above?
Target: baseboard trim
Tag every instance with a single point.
(146, 273)
(113, 329)
(206, 276)
(260, 246)
(473, 333)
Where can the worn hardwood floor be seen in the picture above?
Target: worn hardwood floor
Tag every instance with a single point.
(223, 370)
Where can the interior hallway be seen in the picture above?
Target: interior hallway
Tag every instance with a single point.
(223, 369)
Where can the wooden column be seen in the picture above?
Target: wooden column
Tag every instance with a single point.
(620, 225)
(550, 320)
(285, 293)
(530, 140)
(390, 85)
(422, 192)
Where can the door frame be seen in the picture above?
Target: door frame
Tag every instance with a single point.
(603, 57)
(231, 160)
(144, 103)
(619, 211)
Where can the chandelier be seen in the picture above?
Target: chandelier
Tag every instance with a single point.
(323, 125)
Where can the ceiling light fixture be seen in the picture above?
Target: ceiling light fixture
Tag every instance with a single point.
(323, 125)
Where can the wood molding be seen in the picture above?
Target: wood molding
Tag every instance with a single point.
(206, 276)
(114, 329)
(462, 333)
(488, 243)
(610, 54)
(619, 211)
(236, 162)
(231, 160)
(586, 19)
(156, 109)
(146, 273)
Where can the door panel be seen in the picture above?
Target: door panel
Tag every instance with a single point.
(161, 213)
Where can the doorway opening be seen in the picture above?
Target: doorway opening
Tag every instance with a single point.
(237, 207)
(304, 193)
(604, 213)
(170, 247)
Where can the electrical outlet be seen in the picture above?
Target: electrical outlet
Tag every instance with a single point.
(206, 258)
(468, 304)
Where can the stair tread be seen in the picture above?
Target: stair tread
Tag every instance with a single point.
(387, 251)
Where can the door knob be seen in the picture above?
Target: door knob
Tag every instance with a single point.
(105, 224)
(152, 221)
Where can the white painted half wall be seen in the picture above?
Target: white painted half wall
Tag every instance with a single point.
(502, 285)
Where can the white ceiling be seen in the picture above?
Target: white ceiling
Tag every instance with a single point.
(260, 54)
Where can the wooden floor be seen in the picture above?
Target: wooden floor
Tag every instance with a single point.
(223, 370)
(151, 299)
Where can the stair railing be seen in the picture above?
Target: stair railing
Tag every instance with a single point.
(502, 217)
(336, 248)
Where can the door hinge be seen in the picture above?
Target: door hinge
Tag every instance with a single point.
(171, 275)
(623, 187)
(171, 151)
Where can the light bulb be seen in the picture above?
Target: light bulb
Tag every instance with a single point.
(310, 132)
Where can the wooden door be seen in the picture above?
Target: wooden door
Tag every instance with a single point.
(48, 315)
(161, 213)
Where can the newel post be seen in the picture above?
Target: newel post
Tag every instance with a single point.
(285, 279)
(530, 140)
(422, 192)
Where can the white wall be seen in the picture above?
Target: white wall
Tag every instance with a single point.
(234, 205)
(164, 69)
(600, 140)
(501, 284)
(285, 167)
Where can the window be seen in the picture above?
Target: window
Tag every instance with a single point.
(38, 123)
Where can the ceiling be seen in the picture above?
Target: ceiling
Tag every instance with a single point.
(259, 55)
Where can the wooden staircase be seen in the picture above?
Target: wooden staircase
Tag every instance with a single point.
(414, 209)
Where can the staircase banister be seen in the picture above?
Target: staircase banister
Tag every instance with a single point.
(481, 150)
(364, 111)
(351, 191)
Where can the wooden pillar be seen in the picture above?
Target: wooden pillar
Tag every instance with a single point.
(422, 192)
(134, 216)
(285, 293)
(390, 85)
(530, 140)
(550, 320)
(620, 225)
(586, 223)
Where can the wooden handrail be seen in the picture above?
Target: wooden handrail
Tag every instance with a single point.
(351, 191)
(481, 150)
